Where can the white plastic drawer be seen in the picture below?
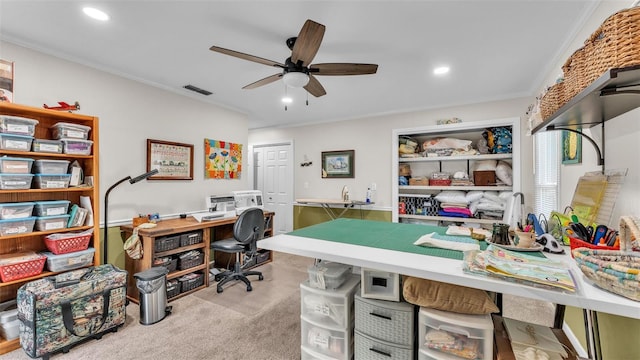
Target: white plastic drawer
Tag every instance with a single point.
(337, 344)
(368, 348)
(329, 308)
(308, 354)
(472, 335)
(428, 354)
(385, 320)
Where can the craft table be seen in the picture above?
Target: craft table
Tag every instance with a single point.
(329, 205)
(370, 244)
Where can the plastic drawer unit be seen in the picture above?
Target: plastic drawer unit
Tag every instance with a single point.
(51, 166)
(64, 130)
(328, 275)
(308, 354)
(15, 181)
(15, 142)
(9, 324)
(447, 335)
(46, 146)
(12, 165)
(17, 125)
(69, 261)
(52, 181)
(382, 285)
(329, 308)
(330, 342)
(388, 321)
(16, 210)
(51, 208)
(369, 348)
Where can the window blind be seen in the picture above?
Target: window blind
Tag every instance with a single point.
(546, 172)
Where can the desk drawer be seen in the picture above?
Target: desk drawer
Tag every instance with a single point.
(368, 348)
(385, 320)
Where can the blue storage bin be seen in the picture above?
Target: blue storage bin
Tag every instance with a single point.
(51, 208)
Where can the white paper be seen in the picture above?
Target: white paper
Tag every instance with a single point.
(85, 202)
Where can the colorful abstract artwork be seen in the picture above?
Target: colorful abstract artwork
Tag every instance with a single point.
(222, 159)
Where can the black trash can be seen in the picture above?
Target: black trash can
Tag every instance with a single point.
(152, 286)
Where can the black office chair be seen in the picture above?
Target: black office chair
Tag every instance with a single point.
(247, 230)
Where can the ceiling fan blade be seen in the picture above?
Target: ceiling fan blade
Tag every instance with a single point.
(314, 87)
(343, 69)
(308, 42)
(246, 56)
(265, 81)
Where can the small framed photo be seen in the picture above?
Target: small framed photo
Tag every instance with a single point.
(6, 81)
(338, 164)
(173, 160)
(571, 148)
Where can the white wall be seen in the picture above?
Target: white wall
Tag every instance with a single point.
(129, 113)
(370, 137)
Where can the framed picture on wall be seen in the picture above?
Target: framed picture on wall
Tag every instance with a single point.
(173, 160)
(6, 81)
(338, 164)
(571, 147)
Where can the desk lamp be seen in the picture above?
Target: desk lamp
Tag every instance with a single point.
(106, 205)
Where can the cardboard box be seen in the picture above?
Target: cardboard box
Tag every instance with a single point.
(419, 181)
(484, 178)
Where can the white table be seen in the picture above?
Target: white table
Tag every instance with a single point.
(588, 297)
(329, 205)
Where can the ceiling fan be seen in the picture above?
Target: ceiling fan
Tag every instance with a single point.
(297, 70)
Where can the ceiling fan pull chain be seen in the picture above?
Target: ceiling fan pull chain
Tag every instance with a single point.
(307, 93)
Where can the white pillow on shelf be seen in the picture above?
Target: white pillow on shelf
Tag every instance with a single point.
(504, 172)
(452, 196)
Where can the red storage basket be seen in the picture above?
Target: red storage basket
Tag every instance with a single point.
(22, 270)
(67, 245)
(577, 243)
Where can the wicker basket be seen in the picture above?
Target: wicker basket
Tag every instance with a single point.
(612, 270)
(167, 243)
(629, 233)
(187, 263)
(552, 100)
(574, 78)
(615, 44)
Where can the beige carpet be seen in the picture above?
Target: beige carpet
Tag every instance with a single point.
(262, 324)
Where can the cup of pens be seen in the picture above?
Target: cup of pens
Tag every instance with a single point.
(524, 239)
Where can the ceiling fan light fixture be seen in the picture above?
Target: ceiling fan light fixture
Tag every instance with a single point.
(295, 79)
(95, 13)
(287, 100)
(441, 70)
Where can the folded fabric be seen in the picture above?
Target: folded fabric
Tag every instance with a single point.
(452, 214)
(457, 210)
(447, 242)
(465, 231)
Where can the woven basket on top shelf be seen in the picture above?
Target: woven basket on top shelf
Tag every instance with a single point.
(615, 44)
(574, 74)
(552, 100)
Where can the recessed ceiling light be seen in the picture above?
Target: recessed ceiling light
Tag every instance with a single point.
(287, 100)
(441, 70)
(95, 13)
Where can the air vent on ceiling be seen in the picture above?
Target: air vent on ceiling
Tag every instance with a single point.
(197, 89)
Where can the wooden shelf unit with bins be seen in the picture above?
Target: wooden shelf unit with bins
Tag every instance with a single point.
(211, 231)
(425, 166)
(33, 241)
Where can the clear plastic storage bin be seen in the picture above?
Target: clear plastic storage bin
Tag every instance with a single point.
(69, 261)
(47, 146)
(63, 130)
(337, 344)
(15, 181)
(328, 275)
(46, 223)
(16, 210)
(52, 181)
(381, 285)
(329, 308)
(17, 226)
(15, 142)
(471, 333)
(51, 166)
(13, 165)
(77, 146)
(51, 208)
(17, 125)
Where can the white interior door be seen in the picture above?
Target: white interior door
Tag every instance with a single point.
(273, 171)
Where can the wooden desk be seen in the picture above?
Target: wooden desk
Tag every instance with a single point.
(211, 231)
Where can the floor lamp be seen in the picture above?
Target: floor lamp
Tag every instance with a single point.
(106, 206)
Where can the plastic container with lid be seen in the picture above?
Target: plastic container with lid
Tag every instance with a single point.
(328, 275)
(52, 181)
(16, 210)
(15, 181)
(69, 261)
(50, 208)
(77, 146)
(17, 125)
(15, 142)
(47, 146)
(51, 166)
(63, 130)
(17, 226)
(15, 165)
(46, 223)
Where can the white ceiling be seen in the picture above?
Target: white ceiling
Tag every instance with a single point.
(496, 49)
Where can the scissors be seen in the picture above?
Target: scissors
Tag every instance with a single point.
(582, 232)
